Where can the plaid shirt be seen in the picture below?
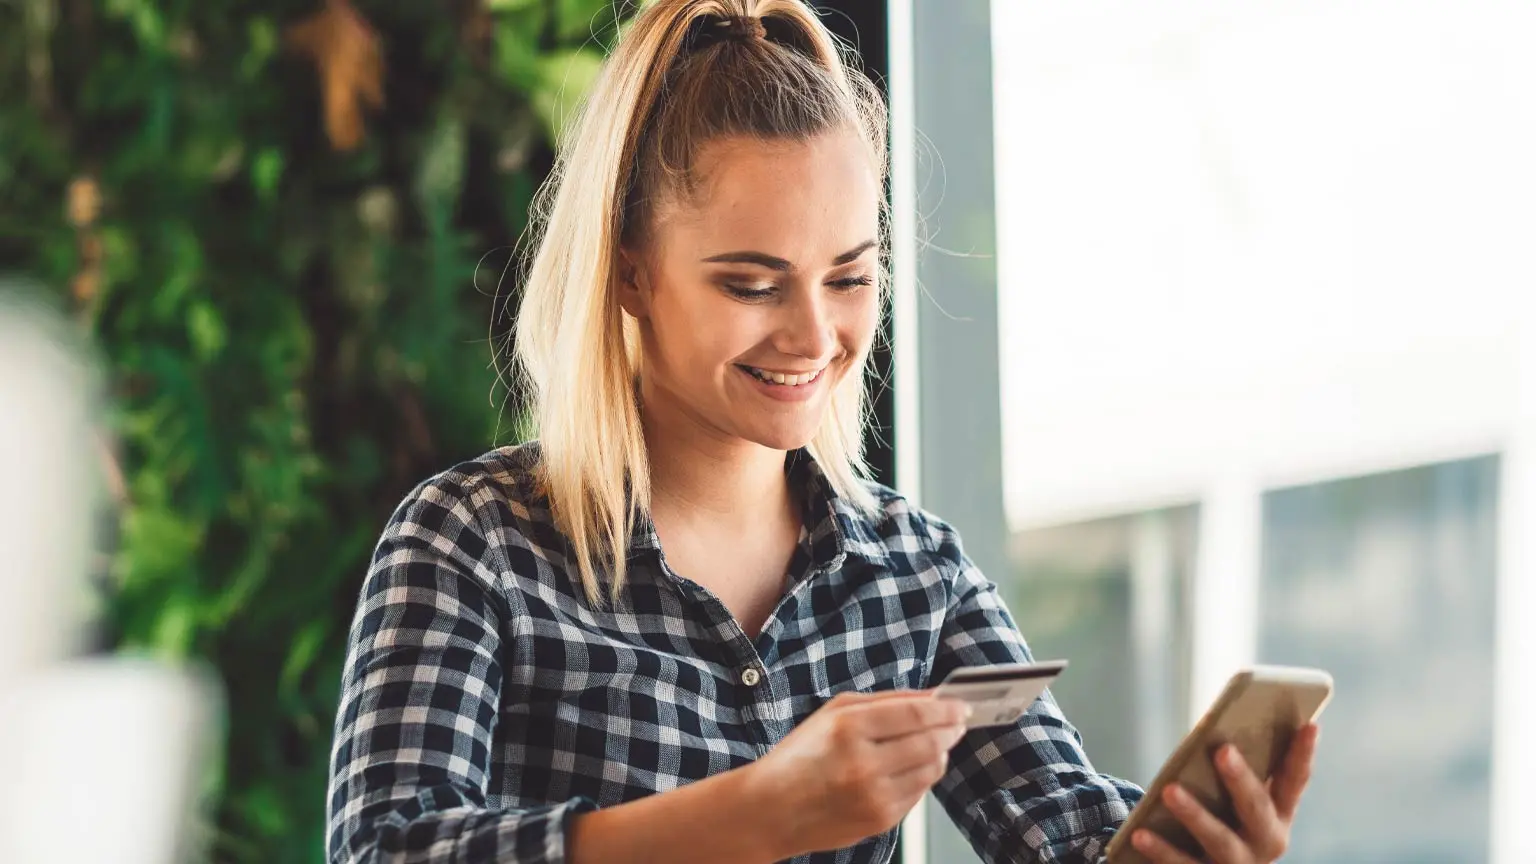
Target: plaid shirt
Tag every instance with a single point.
(486, 702)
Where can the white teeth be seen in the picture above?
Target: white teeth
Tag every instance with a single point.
(785, 380)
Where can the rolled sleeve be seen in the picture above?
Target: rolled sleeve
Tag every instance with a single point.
(1024, 793)
(420, 701)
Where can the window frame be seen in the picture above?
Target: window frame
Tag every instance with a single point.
(941, 304)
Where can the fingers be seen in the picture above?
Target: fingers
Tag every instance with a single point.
(1157, 850)
(927, 748)
(884, 719)
(1221, 843)
(1264, 808)
(1263, 828)
(1292, 779)
(915, 783)
(929, 767)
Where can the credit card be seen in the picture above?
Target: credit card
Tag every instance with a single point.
(999, 694)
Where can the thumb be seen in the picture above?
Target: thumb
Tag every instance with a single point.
(848, 697)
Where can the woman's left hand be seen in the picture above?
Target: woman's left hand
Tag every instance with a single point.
(1266, 812)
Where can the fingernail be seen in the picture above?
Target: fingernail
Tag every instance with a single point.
(1177, 795)
(1141, 839)
(966, 711)
(1229, 758)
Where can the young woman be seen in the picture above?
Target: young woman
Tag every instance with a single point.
(681, 627)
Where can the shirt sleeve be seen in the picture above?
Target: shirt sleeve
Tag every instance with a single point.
(420, 696)
(1025, 793)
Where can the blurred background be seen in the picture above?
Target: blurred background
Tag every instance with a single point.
(282, 228)
(1212, 331)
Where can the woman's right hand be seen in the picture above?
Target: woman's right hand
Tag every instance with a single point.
(856, 766)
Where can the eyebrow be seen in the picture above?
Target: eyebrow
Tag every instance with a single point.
(773, 262)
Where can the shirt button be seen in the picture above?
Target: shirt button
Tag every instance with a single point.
(750, 676)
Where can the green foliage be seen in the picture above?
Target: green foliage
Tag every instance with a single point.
(296, 335)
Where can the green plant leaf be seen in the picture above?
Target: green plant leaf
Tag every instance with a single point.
(292, 337)
(515, 41)
(583, 20)
(261, 46)
(301, 655)
(564, 78)
(205, 330)
(442, 165)
(175, 628)
(266, 171)
(163, 543)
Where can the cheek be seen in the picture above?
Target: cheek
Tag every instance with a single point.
(861, 320)
(697, 336)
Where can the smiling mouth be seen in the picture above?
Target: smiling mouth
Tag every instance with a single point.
(782, 380)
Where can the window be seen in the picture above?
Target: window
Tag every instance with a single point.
(1388, 582)
(1111, 596)
(1258, 274)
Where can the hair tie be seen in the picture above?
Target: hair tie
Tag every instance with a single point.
(710, 29)
(743, 27)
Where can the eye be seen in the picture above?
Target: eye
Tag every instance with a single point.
(852, 283)
(749, 292)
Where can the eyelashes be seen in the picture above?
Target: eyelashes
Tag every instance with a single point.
(746, 292)
(852, 282)
(742, 293)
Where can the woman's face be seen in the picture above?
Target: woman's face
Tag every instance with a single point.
(760, 294)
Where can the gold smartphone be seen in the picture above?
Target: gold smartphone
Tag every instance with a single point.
(1260, 711)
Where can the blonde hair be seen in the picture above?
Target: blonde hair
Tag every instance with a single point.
(684, 72)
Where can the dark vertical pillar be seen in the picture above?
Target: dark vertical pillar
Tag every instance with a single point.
(864, 25)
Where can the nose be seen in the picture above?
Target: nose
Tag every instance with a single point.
(807, 328)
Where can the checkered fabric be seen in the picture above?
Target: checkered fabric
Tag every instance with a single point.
(486, 703)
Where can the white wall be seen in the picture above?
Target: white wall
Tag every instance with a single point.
(1289, 240)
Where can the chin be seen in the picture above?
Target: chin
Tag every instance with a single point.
(783, 437)
(776, 427)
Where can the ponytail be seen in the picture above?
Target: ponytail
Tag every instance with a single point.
(683, 73)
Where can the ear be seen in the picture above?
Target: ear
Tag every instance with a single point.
(633, 284)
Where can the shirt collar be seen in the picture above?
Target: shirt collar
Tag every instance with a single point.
(828, 516)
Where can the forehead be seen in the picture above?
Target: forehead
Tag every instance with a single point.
(780, 197)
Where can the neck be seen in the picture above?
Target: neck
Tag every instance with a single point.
(699, 477)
